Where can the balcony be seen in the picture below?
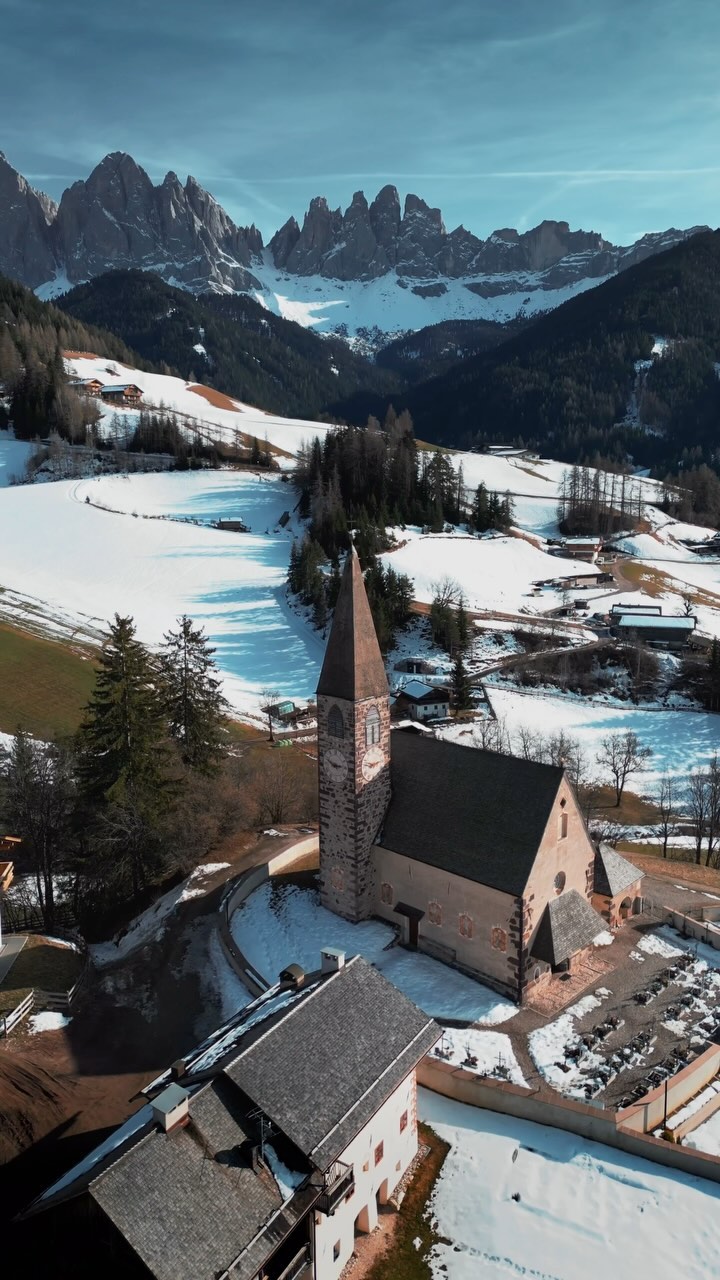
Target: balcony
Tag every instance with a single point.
(298, 1267)
(339, 1180)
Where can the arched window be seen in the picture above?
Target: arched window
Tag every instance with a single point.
(559, 881)
(435, 913)
(466, 925)
(372, 727)
(386, 892)
(336, 728)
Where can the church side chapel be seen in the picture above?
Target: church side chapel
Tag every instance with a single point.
(483, 860)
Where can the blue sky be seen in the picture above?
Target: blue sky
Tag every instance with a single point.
(502, 112)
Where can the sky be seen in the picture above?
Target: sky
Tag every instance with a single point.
(604, 114)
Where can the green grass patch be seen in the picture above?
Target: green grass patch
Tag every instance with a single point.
(45, 684)
(403, 1261)
(41, 964)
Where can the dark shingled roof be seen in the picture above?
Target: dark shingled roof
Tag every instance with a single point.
(321, 1073)
(568, 924)
(612, 872)
(188, 1201)
(474, 813)
(353, 666)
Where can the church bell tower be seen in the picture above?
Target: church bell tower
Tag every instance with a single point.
(353, 750)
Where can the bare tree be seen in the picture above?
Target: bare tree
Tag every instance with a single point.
(446, 592)
(713, 814)
(270, 698)
(530, 745)
(622, 755)
(697, 798)
(666, 825)
(39, 795)
(279, 786)
(491, 735)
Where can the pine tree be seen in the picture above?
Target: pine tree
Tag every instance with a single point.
(193, 704)
(123, 757)
(461, 687)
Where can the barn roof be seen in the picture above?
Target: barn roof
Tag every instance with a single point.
(474, 813)
(418, 691)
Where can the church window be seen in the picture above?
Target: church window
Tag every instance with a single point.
(337, 879)
(498, 939)
(386, 892)
(403, 1121)
(336, 728)
(466, 925)
(379, 1152)
(434, 913)
(372, 727)
(563, 825)
(559, 881)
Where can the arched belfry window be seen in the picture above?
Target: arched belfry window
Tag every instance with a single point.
(336, 728)
(372, 727)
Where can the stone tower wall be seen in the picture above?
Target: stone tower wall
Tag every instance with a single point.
(351, 805)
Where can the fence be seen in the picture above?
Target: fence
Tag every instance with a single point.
(55, 1001)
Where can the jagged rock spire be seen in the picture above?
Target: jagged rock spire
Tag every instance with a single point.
(353, 668)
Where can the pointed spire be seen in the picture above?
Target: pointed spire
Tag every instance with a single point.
(353, 666)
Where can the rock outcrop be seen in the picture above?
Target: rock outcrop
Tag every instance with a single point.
(25, 217)
(117, 218)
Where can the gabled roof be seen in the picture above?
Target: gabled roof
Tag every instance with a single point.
(474, 813)
(613, 873)
(121, 386)
(321, 1073)
(568, 924)
(353, 666)
(418, 691)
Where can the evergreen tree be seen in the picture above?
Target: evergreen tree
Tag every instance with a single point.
(461, 687)
(193, 704)
(123, 757)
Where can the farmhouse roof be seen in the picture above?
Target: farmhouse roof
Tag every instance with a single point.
(353, 666)
(356, 1034)
(120, 386)
(474, 813)
(568, 924)
(304, 1068)
(653, 622)
(418, 691)
(613, 873)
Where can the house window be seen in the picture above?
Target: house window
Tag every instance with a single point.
(403, 1121)
(386, 892)
(372, 727)
(379, 1152)
(563, 825)
(336, 1251)
(366, 1166)
(336, 727)
(466, 926)
(434, 913)
(337, 879)
(498, 939)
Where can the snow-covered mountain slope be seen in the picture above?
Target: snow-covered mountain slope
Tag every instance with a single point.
(372, 311)
(212, 414)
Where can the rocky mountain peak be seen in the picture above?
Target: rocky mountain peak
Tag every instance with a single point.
(26, 252)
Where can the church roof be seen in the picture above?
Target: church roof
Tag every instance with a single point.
(568, 924)
(613, 873)
(353, 666)
(473, 813)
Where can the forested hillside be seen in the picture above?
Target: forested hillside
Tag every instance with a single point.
(565, 383)
(33, 391)
(229, 342)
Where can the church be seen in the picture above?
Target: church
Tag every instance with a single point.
(482, 860)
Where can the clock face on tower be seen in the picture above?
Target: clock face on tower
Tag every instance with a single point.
(372, 762)
(335, 766)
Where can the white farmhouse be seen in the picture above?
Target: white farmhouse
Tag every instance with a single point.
(261, 1155)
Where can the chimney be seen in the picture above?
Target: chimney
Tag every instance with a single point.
(177, 1070)
(170, 1108)
(331, 960)
(293, 975)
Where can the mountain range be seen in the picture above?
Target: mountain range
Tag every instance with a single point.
(378, 269)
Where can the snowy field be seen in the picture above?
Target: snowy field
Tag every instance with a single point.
(680, 740)
(86, 564)
(484, 1053)
(13, 456)
(281, 925)
(515, 1199)
(493, 573)
(706, 1137)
